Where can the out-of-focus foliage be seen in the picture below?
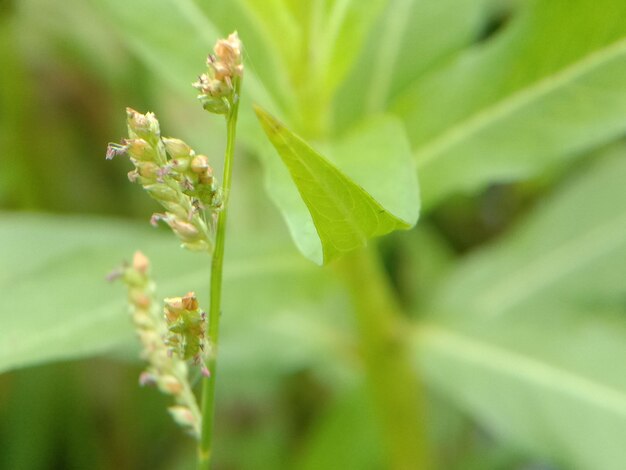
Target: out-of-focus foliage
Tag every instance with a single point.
(79, 252)
(526, 332)
(517, 305)
(548, 87)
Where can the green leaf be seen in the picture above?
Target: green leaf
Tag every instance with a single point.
(279, 27)
(424, 41)
(172, 37)
(529, 97)
(333, 213)
(406, 40)
(530, 334)
(548, 384)
(573, 249)
(57, 305)
(340, 38)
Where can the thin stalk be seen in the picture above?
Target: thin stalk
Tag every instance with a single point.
(208, 383)
(395, 387)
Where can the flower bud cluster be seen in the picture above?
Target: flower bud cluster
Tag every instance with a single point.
(186, 325)
(217, 87)
(176, 177)
(167, 371)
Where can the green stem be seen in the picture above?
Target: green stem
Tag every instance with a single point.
(208, 384)
(395, 387)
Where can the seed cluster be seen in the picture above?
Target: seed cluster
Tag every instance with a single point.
(176, 177)
(217, 87)
(182, 182)
(166, 370)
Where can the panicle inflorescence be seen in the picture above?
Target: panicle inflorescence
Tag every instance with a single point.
(176, 177)
(183, 183)
(217, 86)
(167, 369)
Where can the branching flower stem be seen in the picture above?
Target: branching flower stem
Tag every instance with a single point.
(208, 386)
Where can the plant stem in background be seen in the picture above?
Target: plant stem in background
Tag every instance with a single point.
(395, 387)
(208, 386)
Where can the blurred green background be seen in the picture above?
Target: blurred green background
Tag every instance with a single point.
(514, 277)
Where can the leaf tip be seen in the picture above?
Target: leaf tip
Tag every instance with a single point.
(269, 122)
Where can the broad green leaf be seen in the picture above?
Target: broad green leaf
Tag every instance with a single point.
(549, 384)
(334, 213)
(406, 40)
(573, 249)
(173, 37)
(57, 305)
(529, 335)
(71, 32)
(551, 85)
(340, 38)
(279, 27)
(432, 32)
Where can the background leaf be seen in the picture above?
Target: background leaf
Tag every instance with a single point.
(343, 213)
(58, 305)
(571, 251)
(407, 39)
(526, 335)
(522, 101)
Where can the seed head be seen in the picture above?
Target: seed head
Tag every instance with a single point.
(183, 416)
(200, 164)
(216, 86)
(176, 148)
(141, 263)
(143, 126)
(189, 301)
(228, 53)
(139, 149)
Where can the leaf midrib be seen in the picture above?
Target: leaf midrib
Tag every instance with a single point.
(338, 203)
(517, 366)
(388, 51)
(520, 284)
(480, 120)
